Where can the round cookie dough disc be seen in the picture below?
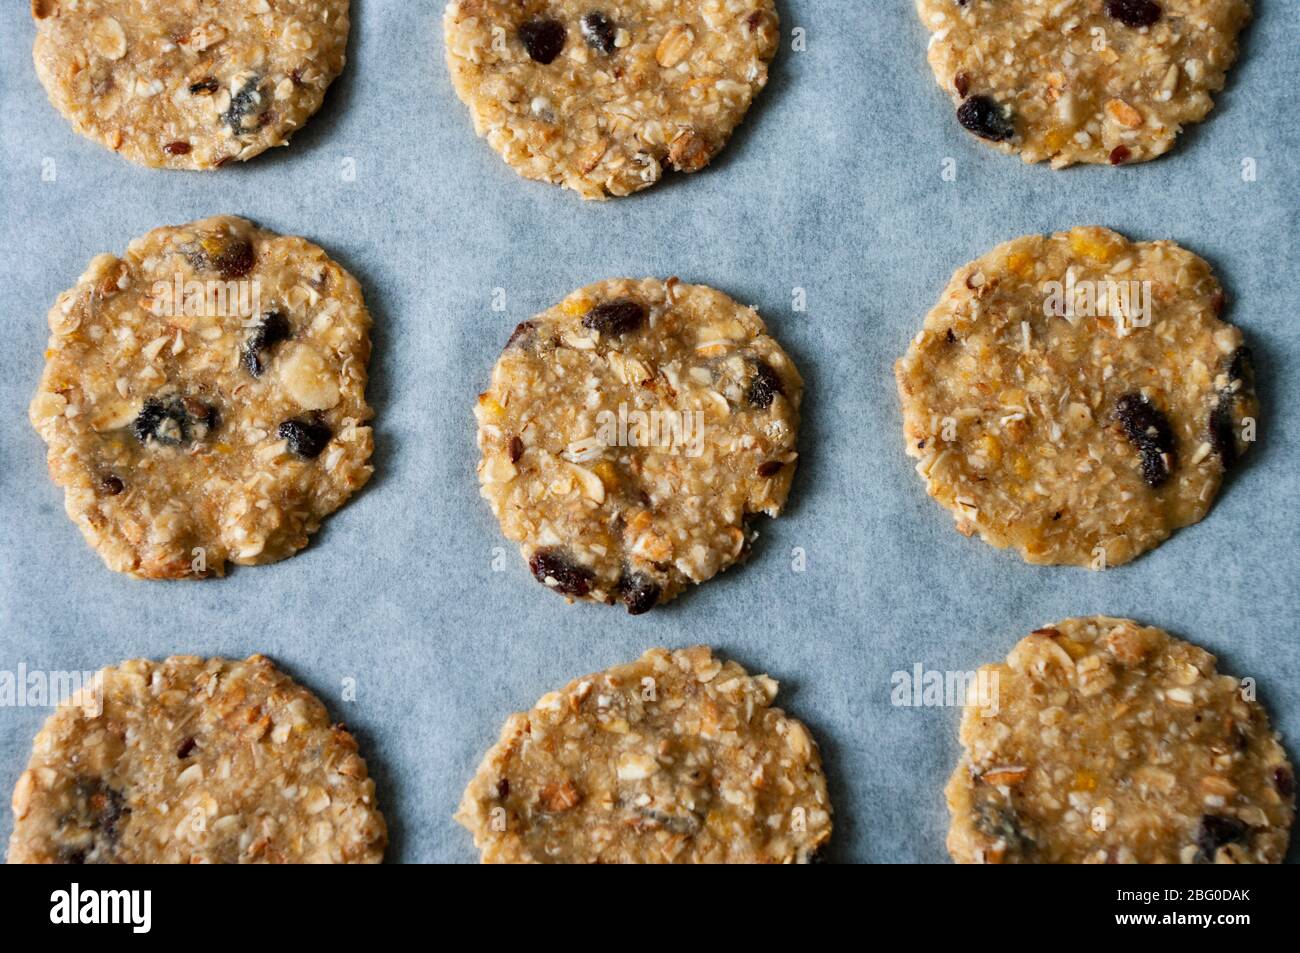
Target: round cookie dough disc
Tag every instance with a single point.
(676, 758)
(188, 84)
(1103, 741)
(1043, 422)
(630, 433)
(195, 761)
(204, 398)
(1092, 81)
(602, 97)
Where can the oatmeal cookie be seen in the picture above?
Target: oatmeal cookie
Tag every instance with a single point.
(602, 97)
(1091, 81)
(195, 760)
(676, 758)
(189, 84)
(204, 398)
(1077, 396)
(1112, 742)
(631, 432)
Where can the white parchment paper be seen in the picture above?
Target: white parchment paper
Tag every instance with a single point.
(833, 186)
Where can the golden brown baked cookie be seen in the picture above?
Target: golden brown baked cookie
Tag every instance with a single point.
(1077, 396)
(602, 98)
(630, 434)
(195, 760)
(204, 398)
(1097, 81)
(676, 758)
(1114, 743)
(189, 84)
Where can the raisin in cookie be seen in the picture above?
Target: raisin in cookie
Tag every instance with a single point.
(631, 432)
(1082, 80)
(195, 760)
(676, 758)
(1112, 742)
(1077, 396)
(204, 398)
(189, 84)
(601, 97)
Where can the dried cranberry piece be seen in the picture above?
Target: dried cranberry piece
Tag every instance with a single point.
(186, 748)
(598, 31)
(177, 148)
(543, 39)
(615, 317)
(516, 448)
(764, 387)
(1217, 831)
(1134, 13)
(268, 332)
(1149, 431)
(112, 485)
(565, 577)
(984, 117)
(1119, 155)
(639, 592)
(307, 438)
(770, 468)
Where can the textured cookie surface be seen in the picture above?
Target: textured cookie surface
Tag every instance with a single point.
(204, 398)
(188, 84)
(1070, 81)
(674, 758)
(1115, 743)
(1077, 396)
(603, 97)
(631, 432)
(195, 760)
